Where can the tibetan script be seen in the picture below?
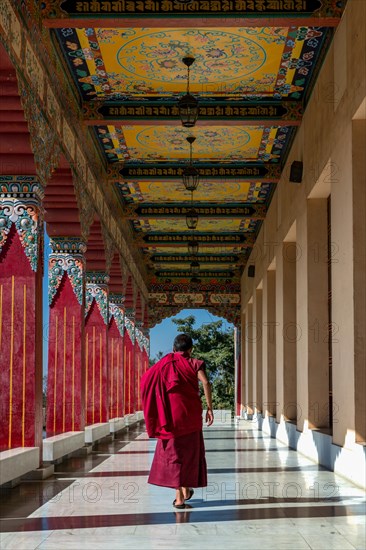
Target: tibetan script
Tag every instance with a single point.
(220, 111)
(198, 7)
(248, 171)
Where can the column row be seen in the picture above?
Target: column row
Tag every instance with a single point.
(97, 350)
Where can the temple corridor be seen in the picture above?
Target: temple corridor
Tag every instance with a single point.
(261, 495)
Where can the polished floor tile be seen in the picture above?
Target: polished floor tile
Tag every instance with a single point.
(260, 495)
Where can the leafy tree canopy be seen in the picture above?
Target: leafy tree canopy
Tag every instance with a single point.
(215, 346)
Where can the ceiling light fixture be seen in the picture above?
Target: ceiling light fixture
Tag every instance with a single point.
(195, 266)
(192, 218)
(192, 247)
(188, 105)
(191, 177)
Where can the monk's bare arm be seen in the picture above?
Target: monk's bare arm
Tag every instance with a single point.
(207, 391)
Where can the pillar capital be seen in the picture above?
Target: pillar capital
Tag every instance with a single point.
(131, 313)
(117, 299)
(116, 311)
(67, 256)
(130, 324)
(99, 278)
(68, 245)
(21, 205)
(97, 289)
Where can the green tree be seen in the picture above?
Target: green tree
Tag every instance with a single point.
(215, 346)
(155, 359)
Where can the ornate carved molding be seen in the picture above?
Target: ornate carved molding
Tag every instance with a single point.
(129, 323)
(86, 208)
(109, 248)
(44, 140)
(67, 256)
(97, 289)
(116, 311)
(21, 205)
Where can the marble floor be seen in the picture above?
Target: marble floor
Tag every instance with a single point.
(260, 495)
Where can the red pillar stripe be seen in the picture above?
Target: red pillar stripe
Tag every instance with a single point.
(73, 375)
(124, 378)
(11, 364)
(64, 375)
(24, 360)
(118, 379)
(100, 378)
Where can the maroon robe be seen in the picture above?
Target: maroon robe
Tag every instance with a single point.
(173, 414)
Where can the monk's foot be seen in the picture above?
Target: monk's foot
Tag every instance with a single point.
(186, 493)
(179, 497)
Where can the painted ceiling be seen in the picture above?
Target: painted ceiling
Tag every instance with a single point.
(213, 143)
(261, 61)
(252, 84)
(208, 191)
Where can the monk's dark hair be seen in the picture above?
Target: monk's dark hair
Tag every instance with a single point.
(182, 342)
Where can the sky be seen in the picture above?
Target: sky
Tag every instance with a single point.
(161, 336)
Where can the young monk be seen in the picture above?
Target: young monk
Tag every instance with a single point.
(173, 414)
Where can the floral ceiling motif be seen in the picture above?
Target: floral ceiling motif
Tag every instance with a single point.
(208, 191)
(124, 63)
(213, 143)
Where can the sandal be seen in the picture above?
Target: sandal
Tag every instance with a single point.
(191, 493)
(179, 506)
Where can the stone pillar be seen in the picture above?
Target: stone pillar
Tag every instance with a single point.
(258, 327)
(96, 347)
(312, 316)
(66, 293)
(21, 234)
(249, 405)
(348, 204)
(115, 354)
(269, 343)
(287, 331)
(359, 273)
(129, 363)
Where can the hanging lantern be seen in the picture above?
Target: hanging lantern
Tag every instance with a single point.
(195, 280)
(192, 218)
(192, 247)
(191, 176)
(188, 105)
(195, 266)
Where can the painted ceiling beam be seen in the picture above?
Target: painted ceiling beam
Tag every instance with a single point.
(163, 112)
(203, 274)
(218, 13)
(158, 238)
(245, 210)
(265, 172)
(202, 258)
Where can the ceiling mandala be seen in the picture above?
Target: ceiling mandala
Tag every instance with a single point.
(118, 63)
(213, 143)
(208, 191)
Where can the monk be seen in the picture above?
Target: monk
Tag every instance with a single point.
(173, 414)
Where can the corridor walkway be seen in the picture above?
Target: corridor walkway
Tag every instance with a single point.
(260, 496)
